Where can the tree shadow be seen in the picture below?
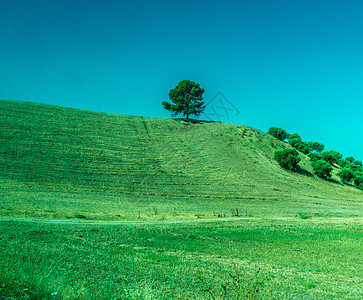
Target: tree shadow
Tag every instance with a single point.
(309, 174)
(350, 184)
(304, 172)
(333, 181)
(194, 121)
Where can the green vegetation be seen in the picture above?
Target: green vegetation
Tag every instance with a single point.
(358, 180)
(278, 133)
(63, 162)
(322, 169)
(314, 156)
(293, 136)
(316, 146)
(332, 157)
(322, 162)
(167, 216)
(300, 145)
(288, 159)
(304, 257)
(187, 98)
(346, 174)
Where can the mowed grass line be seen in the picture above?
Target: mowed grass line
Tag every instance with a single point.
(280, 259)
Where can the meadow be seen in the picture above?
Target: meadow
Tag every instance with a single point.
(172, 210)
(234, 259)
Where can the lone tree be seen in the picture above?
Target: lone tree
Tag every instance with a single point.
(187, 99)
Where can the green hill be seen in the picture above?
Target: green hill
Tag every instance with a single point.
(297, 236)
(57, 162)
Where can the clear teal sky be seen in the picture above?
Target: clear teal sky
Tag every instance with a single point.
(291, 64)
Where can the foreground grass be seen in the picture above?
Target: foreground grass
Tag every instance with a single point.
(244, 258)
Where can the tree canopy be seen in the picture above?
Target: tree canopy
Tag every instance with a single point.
(187, 99)
(346, 175)
(322, 161)
(332, 157)
(293, 136)
(300, 145)
(278, 133)
(315, 146)
(288, 159)
(322, 169)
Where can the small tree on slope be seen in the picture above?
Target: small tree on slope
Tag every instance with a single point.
(322, 168)
(278, 133)
(288, 158)
(346, 175)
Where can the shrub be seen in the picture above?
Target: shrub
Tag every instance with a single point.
(350, 159)
(343, 163)
(315, 146)
(346, 175)
(314, 156)
(354, 162)
(358, 179)
(300, 145)
(332, 157)
(322, 169)
(278, 133)
(354, 167)
(293, 136)
(288, 159)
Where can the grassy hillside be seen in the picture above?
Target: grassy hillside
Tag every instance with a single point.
(57, 162)
(274, 234)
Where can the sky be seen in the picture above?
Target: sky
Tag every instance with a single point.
(296, 64)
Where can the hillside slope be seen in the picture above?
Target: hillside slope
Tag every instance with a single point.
(57, 162)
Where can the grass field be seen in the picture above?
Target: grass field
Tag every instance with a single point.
(173, 210)
(246, 258)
